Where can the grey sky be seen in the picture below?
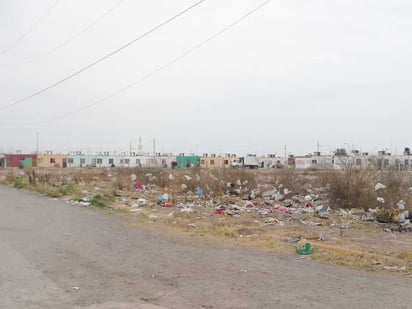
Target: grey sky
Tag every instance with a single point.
(293, 73)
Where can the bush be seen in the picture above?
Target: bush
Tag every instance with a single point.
(21, 182)
(397, 185)
(100, 201)
(121, 183)
(292, 180)
(68, 189)
(351, 188)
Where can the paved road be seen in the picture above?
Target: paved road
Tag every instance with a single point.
(54, 255)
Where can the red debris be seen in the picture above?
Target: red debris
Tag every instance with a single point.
(139, 185)
(219, 212)
(169, 204)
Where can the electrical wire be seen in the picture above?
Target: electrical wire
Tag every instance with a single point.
(168, 64)
(74, 36)
(101, 59)
(25, 34)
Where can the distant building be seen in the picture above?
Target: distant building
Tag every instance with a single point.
(183, 161)
(272, 161)
(50, 161)
(303, 162)
(106, 159)
(213, 161)
(20, 160)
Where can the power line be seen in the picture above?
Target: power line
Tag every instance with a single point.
(74, 36)
(25, 34)
(101, 59)
(135, 83)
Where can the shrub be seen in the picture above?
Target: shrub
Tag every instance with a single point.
(21, 182)
(121, 183)
(68, 189)
(397, 185)
(351, 188)
(291, 179)
(100, 201)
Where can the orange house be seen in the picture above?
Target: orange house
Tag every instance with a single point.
(51, 161)
(214, 161)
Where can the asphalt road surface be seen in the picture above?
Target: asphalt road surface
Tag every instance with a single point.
(55, 255)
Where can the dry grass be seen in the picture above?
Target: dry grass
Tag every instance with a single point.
(351, 188)
(405, 254)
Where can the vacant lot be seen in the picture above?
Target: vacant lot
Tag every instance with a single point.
(276, 210)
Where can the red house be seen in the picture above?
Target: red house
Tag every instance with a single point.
(20, 160)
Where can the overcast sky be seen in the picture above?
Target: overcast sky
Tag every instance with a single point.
(292, 74)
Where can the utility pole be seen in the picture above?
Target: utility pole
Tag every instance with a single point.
(140, 148)
(37, 143)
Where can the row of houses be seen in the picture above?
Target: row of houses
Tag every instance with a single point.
(50, 160)
(382, 160)
(79, 160)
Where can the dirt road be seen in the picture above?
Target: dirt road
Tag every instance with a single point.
(54, 255)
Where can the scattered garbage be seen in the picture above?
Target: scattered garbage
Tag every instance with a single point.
(401, 205)
(169, 204)
(84, 201)
(380, 200)
(277, 196)
(306, 250)
(311, 223)
(199, 191)
(277, 206)
(379, 186)
(138, 185)
(293, 239)
(271, 204)
(271, 221)
(186, 210)
(219, 212)
(396, 269)
(281, 209)
(163, 198)
(139, 203)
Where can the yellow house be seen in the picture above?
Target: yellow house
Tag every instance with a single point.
(213, 161)
(51, 160)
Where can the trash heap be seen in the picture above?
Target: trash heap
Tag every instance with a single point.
(270, 206)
